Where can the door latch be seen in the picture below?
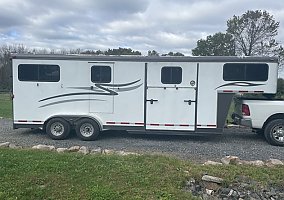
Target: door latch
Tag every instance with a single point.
(188, 101)
(152, 100)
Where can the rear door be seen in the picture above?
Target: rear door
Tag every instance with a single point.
(35, 84)
(171, 96)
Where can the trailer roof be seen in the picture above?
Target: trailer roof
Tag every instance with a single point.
(91, 58)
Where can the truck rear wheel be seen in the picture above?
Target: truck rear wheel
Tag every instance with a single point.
(57, 128)
(274, 132)
(87, 129)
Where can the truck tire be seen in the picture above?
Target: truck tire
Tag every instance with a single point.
(274, 132)
(87, 129)
(57, 128)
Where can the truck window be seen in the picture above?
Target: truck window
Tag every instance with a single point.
(171, 75)
(245, 72)
(38, 72)
(101, 74)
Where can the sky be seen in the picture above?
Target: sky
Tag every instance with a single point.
(161, 25)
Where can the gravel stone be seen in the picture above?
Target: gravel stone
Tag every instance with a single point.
(84, 150)
(210, 162)
(239, 142)
(235, 191)
(256, 162)
(212, 179)
(273, 162)
(230, 160)
(44, 147)
(74, 149)
(96, 151)
(108, 151)
(13, 146)
(5, 144)
(62, 150)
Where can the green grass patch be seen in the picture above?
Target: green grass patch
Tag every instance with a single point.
(27, 174)
(5, 105)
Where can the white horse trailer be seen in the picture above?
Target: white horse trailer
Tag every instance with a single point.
(175, 95)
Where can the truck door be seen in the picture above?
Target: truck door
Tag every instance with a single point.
(101, 95)
(171, 96)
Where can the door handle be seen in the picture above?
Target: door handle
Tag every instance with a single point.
(152, 100)
(92, 87)
(188, 101)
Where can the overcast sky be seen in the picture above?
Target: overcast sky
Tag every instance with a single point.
(162, 25)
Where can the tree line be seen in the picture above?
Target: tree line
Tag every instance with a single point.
(250, 34)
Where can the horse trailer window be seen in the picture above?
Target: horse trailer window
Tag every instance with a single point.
(39, 72)
(245, 72)
(101, 74)
(171, 75)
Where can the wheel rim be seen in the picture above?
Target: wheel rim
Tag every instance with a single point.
(278, 133)
(57, 129)
(87, 130)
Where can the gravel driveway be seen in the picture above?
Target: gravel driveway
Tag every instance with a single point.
(238, 142)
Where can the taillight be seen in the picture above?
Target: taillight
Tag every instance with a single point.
(245, 110)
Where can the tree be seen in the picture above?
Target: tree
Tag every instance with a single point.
(122, 51)
(119, 51)
(92, 52)
(153, 53)
(281, 57)
(173, 54)
(250, 34)
(254, 33)
(219, 44)
(5, 64)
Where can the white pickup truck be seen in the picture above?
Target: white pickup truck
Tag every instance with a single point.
(264, 116)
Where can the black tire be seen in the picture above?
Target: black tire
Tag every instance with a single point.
(57, 129)
(87, 129)
(274, 132)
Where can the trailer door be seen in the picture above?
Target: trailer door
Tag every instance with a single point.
(101, 96)
(171, 96)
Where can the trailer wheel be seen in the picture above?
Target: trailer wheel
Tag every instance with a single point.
(274, 132)
(87, 129)
(57, 128)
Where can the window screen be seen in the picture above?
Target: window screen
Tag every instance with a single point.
(101, 74)
(245, 72)
(38, 72)
(171, 75)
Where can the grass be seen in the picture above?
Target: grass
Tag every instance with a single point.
(5, 105)
(27, 174)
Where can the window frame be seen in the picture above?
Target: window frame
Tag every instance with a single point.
(109, 76)
(245, 72)
(38, 77)
(171, 75)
